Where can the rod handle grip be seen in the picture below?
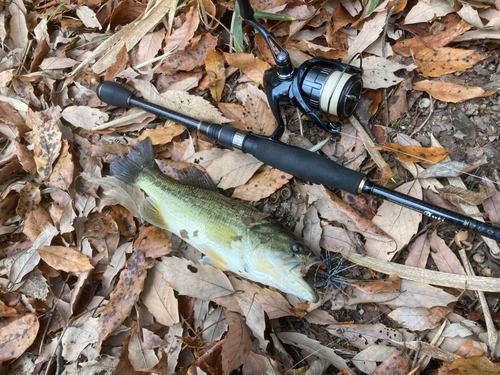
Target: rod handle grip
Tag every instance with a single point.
(303, 164)
(484, 229)
(113, 93)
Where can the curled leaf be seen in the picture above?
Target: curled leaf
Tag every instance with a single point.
(415, 154)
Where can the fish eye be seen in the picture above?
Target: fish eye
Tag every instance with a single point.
(297, 248)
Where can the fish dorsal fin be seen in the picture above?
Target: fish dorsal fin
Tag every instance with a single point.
(194, 177)
(151, 212)
(221, 233)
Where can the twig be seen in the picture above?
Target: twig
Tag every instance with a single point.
(368, 143)
(436, 341)
(430, 350)
(490, 326)
(431, 111)
(478, 283)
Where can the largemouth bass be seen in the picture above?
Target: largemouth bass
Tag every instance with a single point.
(232, 235)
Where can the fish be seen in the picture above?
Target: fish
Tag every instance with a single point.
(232, 235)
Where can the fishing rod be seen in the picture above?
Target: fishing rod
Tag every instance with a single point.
(318, 86)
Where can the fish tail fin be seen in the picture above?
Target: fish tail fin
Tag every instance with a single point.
(140, 158)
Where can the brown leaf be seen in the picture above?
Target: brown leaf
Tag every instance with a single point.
(62, 175)
(65, 259)
(454, 27)
(47, 140)
(464, 196)
(233, 169)
(192, 57)
(415, 154)
(467, 350)
(396, 363)
(445, 259)
(214, 66)
(436, 62)
(25, 157)
(420, 318)
(163, 135)
(124, 220)
(262, 185)
(398, 222)
(158, 296)
(119, 65)
(255, 364)
(234, 112)
(18, 28)
(124, 296)
(181, 37)
(12, 119)
(439, 201)
(369, 34)
(253, 67)
(358, 203)
(29, 199)
(125, 12)
(153, 242)
(475, 365)
(419, 252)
(390, 285)
(237, 344)
(6, 311)
(491, 205)
(26, 92)
(257, 115)
(16, 335)
(149, 46)
(450, 92)
(199, 281)
(398, 105)
(34, 223)
(8, 207)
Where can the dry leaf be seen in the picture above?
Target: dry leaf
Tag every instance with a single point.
(65, 259)
(214, 65)
(158, 296)
(193, 56)
(199, 281)
(415, 154)
(311, 233)
(427, 10)
(163, 135)
(256, 364)
(455, 28)
(253, 67)
(449, 169)
(464, 196)
(391, 285)
(398, 105)
(16, 335)
(420, 318)
(140, 357)
(18, 28)
(47, 140)
(366, 360)
(124, 220)
(262, 185)
(419, 252)
(399, 362)
(26, 92)
(233, 169)
(29, 199)
(398, 222)
(237, 344)
(445, 259)
(368, 34)
(181, 37)
(475, 365)
(149, 46)
(492, 204)
(153, 242)
(436, 62)
(124, 296)
(62, 174)
(257, 115)
(379, 72)
(450, 92)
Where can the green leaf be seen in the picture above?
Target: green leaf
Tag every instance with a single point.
(370, 7)
(238, 30)
(273, 16)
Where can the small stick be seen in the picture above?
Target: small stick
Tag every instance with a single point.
(431, 111)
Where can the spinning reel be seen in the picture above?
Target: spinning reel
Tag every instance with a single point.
(318, 86)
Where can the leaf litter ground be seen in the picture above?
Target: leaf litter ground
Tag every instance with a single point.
(86, 286)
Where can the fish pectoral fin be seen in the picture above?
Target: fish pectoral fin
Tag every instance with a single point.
(221, 233)
(151, 212)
